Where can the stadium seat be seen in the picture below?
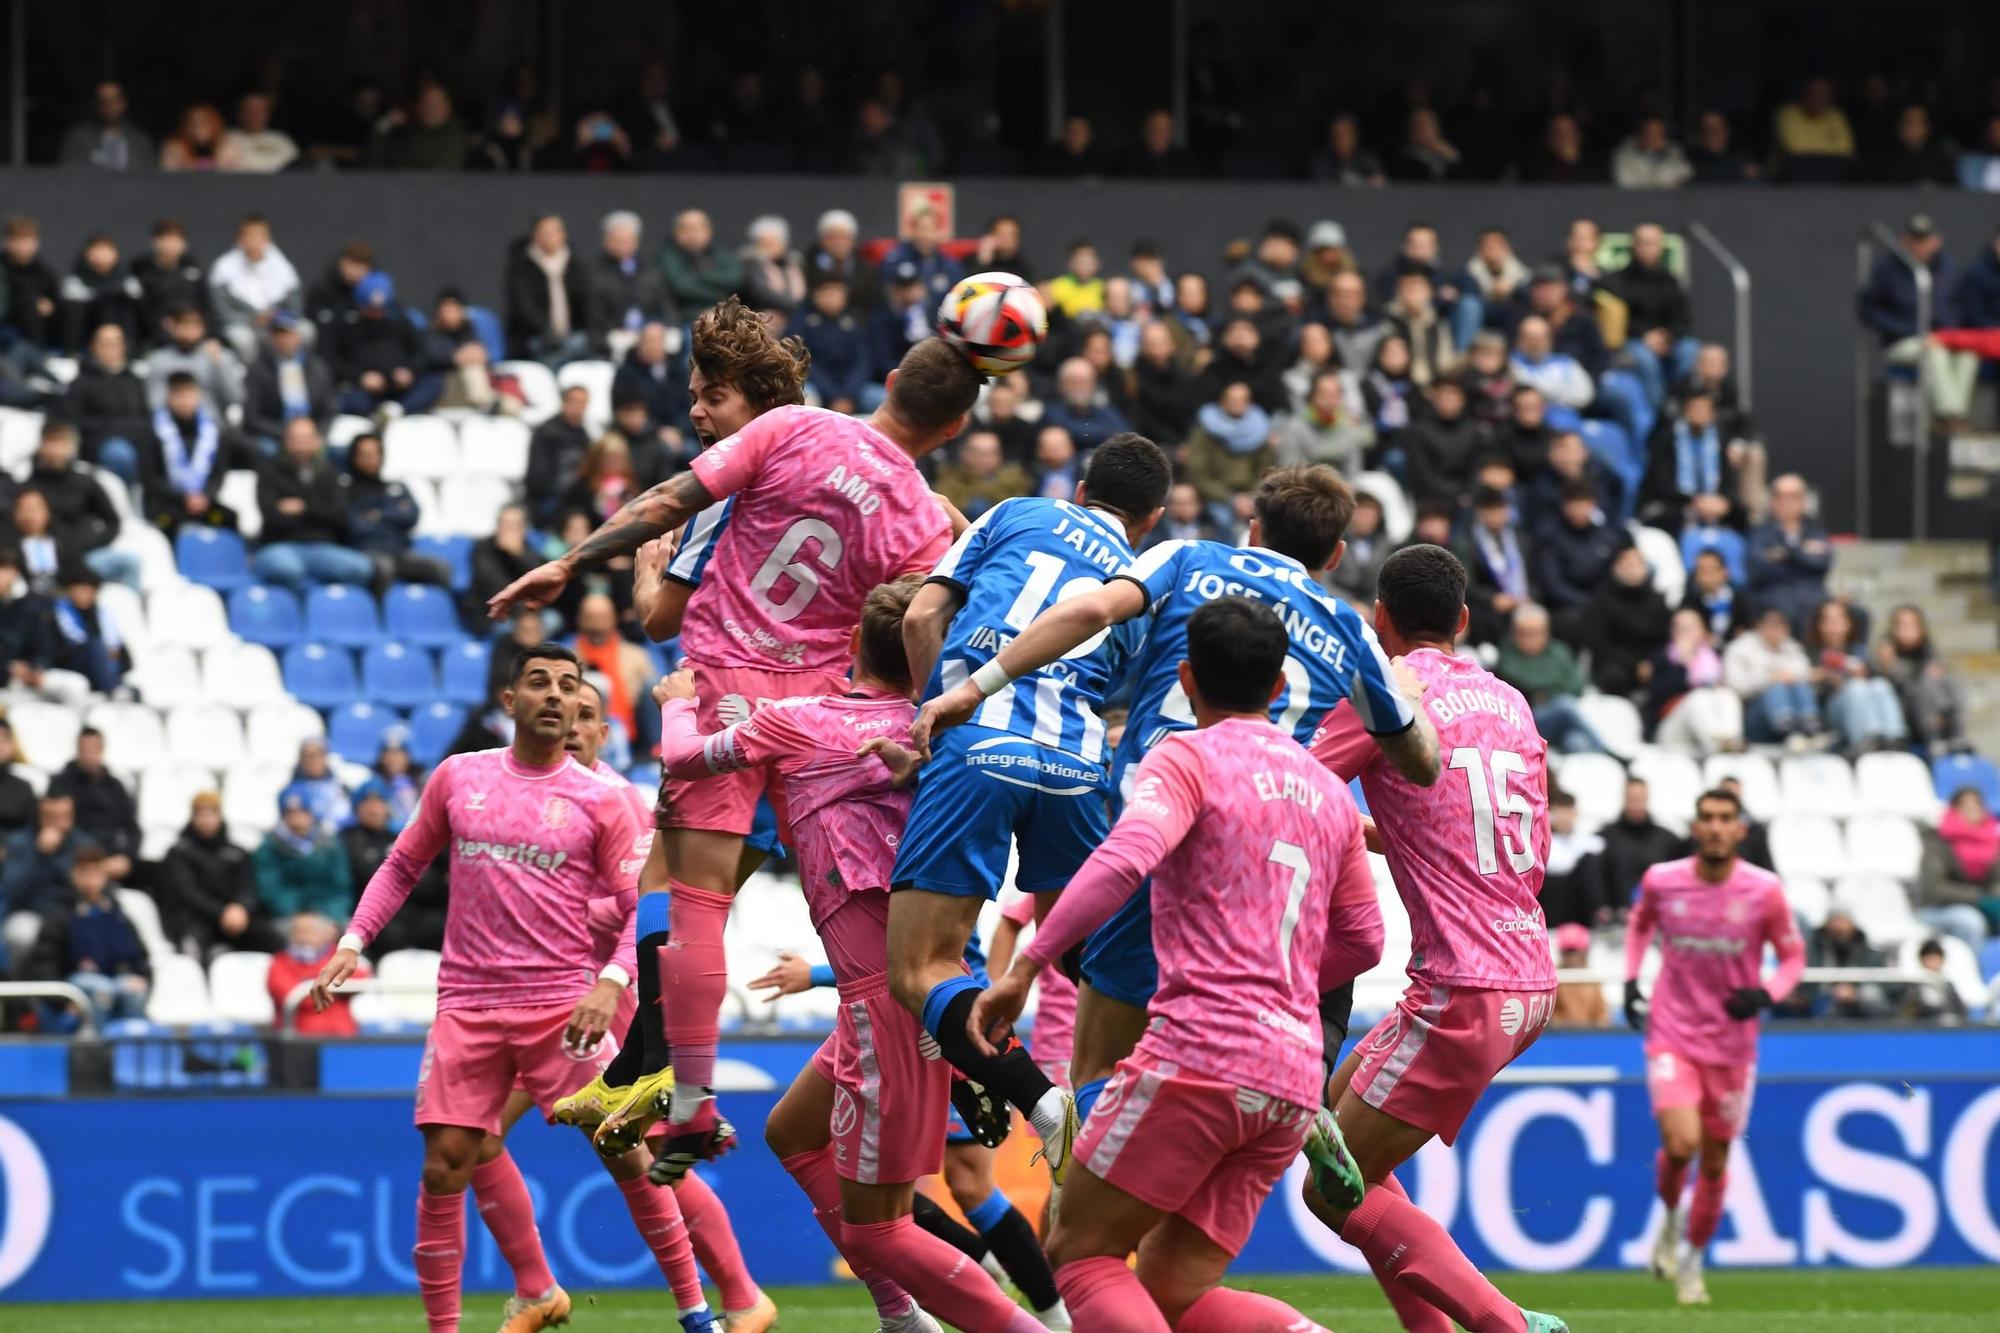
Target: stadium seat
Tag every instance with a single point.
(1616, 722)
(1809, 845)
(207, 734)
(415, 614)
(241, 675)
(213, 557)
(1663, 558)
(1673, 781)
(1398, 515)
(1894, 782)
(36, 778)
(250, 797)
(430, 514)
(187, 615)
(1597, 781)
(1816, 784)
(1754, 771)
(276, 730)
(144, 914)
(486, 323)
(126, 608)
(20, 433)
(540, 398)
(455, 551)
(180, 993)
(1951, 772)
(133, 736)
(155, 554)
(345, 429)
(494, 447)
(1810, 900)
(267, 615)
(1884, 845)
(321, 676)
(596, 377)
(1989, 959)
(338, 614)
(1725, 542)
(432, 730)
(1610, 445)
(419, 446)
(1880, 907)
(44, 733)
(167, 791)
(465, 670)
(169, 676)
(238, 492)
(469, 505)
(399, 676)
(1961, 967)
(355, 730)
(236, 988)
(412, 968)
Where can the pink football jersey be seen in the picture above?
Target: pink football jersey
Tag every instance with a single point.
(1055, 1014)
(1249, 843)
(530, 849)
(1467, 852)
(823, 507)
(1712, 939)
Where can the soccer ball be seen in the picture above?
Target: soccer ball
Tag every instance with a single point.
(995, 320)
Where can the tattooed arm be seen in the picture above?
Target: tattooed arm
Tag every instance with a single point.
(643, 518)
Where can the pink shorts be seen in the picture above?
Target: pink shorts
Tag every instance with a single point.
(474, 1058)
(1187, 1144)
(1431, 1058)
(1722, 1093)
(728, 804)
(889, 1102)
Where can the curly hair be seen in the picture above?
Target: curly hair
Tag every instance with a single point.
(732, 345)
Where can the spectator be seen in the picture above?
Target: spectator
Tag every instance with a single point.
(1326, 256)
(1690, 470)
(1157, 156)
(90, 943)
(200, 143)
(1081, 407)
(381, 516)
(1342, 160)
(1356, 333)
(1331, 427)
(46, 556)
(34, 878)
(168, 279)
(1391, 399)
(902, 321)
(1426, 155)
(548, 297)
(313, 777)
(1579, 1004)
(305, 537)
(1163, 395)
(1789, 554)
(254, 145)
(376, 354)
(526, 629)
(1244, 356)
(1442, 443)
(1074, 154)
(1633, 843)
(649, 372)
(1756, 848)
(97, 292)
(1546, 673)
(1574, 551)
(626, 292)
(1414, 314)
(1656, 312)
(298, 866)
(208, 897)
(999, 249)
(1710, 593)
(1649, 160)
(250, 283)
(330, 301)
(1976, 299)
(1496, 273)
(1687, 707)
(1959, 890)
(1000, 412)
(308, 947)
(17, 798)
(1813, 141)
(1627, 625)
(107, 141)
(980, 477)
(29, 326)
(1916, 157)
(81, 510)
(396, 778)
(1229, 451)
(1714, 158)
(430, 138)
(1186, 519)
(191, 351)
(1772, 673)
(28, 646)
(1932, 702)
(774, 273)
(1573, 893)
(646, 443)
(1711, 375)
(1190, 320)
(287, 381)
(1554, 293)
(498, 560)
(107, 403)
(1888, 305)
(698, 274)
(1496, 558)
(603, 482)
(1840, 943)
(647, 115)
(1557, 376)
(366, 842)
(626, 667)
(597, 144)
(1526, 437)
(1368, 549)
(1562, 158)
(105, 811)
(1274, 266)
(86, 643)
(1056, 471)
(876, 148)
(842, 370)
(1862, 706)
(836, 256)
(1568, 461)
(556, 452)
(1936, 1000)
(1079, 289)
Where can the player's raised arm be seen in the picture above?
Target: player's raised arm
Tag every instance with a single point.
(651, 514)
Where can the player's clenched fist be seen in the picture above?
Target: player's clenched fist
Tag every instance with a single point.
(675, 685)
(942, 714)
(332, 977)
(994, 1012)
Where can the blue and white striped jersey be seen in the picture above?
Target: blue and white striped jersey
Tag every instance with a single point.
(1334, 656)
(697, 544)
(1018, 559)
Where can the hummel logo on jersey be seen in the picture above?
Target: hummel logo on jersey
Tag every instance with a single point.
(475, 800)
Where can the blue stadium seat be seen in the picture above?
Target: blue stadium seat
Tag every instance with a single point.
(432, 730)
(487, 325)
(336, 613)
(1611, 444)
(355, 731)
(465, 669)
(215, 557)
(321, 677)
(271, 616)
(398, 675)
(413, 613)
(1725, 542)
(1952, 771)
(1621, 395)
(1989, 959)
(454, 551)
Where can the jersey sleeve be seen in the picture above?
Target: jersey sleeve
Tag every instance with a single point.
(697, 544)
(1157, 569)
(415, 848)
(1781, 928)
(1020, 910)
(1343, 744)
(1384, 709)
(623, 842)
(1639, 929)
(1354, 930)
(727, 466)
(765, 737)
(961, 558)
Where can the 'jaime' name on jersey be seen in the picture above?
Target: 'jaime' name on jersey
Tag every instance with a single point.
(1092, 547)
(1287, 787)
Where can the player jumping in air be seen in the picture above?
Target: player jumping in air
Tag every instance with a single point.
(523, 990)
(1467, 855)
(1027, 771)
(1300, 516)
(1713, 914)
(826, 507)
(1248, 842)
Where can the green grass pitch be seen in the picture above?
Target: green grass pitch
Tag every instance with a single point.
(1929, 1300)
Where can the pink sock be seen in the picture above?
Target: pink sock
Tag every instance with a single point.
(1671, 1176)
(1105, 1296)
(1404, 1245)
(439, 1255)
(945, 1281)
(1222, 1310)
(658, 1218)
(714, 1242)
(509, 1213)
(693, 982)
(1705, 1213)
(815, 1175)
(1417, 1314)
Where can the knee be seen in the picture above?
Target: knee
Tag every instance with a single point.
(1316, 1204)
(447, 1171)
(490, 1148)
(969, 1186)
(1063, 1248)
(786, 1135)
(1679, 1148)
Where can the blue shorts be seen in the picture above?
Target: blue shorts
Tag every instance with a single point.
(984, 791)
(1118, 957)
(764, 834)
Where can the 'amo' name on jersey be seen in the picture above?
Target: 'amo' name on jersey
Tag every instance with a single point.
(1301, 627)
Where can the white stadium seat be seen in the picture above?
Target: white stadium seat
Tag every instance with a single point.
(155, 554)
(144, 914)
(276, 730)
(44, 733)
(1759, 779)
(1808, 845)
(420, 446)
(1895, 782)
(180, 993)
(126, 609)
(250, 798)
(236, 988)
(242, 675)
(1597, 781)
(239, 493)
(133, 736)
(1673, 781)
(595, 376)
(1816, 784)
(1663, 558)
(1616, 722)
(346, 429)
(36, 778)
(494, 447)
(404, 967)
(539, 395)
(1880, 907)
(1810, 899)
(167, 792)
(207, 734)
(170, 676)
(20, 432)
(1398, 515)
(430, 514)
(187, 615)
(1961, 966)
(469, 505)
(1884, 845)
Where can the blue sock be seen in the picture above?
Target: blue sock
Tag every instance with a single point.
(651, 918)
(987, 1215)
(941, 996)
(1087, 1095)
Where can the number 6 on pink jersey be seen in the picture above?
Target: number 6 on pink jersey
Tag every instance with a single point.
(805, 579)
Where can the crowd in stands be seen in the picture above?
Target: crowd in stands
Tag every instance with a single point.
(1873, 132)
(1540, 405)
